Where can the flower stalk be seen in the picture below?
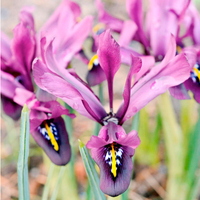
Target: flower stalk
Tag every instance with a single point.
(174, 146)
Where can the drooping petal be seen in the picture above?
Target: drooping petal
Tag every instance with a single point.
(45, 79)
(112, 151)
(179, 92)
(96, 75)
(76, 82)
(77, 90)
(62, 156)
(9, 85)
(109, 59)
(10, 108)
(108, 184)
(194, 88)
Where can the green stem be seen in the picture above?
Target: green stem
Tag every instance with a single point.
(174, 147)
(69, 178)
(58, 183)
(48, 182)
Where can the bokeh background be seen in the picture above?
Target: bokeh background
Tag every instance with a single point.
(150, 170)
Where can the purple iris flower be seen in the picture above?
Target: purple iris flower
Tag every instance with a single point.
(112, 149)
(46, 124)
(67, 29)
(16, 59)
(163, 18)
(191, 21)
(192, 83)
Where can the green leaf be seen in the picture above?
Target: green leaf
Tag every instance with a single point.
(135, 122)
(22, 165)
(48, 182)
(58, 183)
(91, 172)
(193, 160)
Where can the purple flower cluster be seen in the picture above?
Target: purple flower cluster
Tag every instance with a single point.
(46, 57)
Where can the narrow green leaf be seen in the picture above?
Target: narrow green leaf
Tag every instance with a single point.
(22, 165)
(69, 177)
(101, 93)
(135, 123)
(89, 193)
(58, 183)
(48, 182)
(91, 172)
(174, 146)
(193, 160)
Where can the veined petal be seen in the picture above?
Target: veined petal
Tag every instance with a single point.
(179, 92)
(112, 151)
(194, 88)
(109, 59)
(54, 140)
(11, 109)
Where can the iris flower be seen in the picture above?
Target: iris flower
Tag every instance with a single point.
(16, 59)
(193, 82)
(67, 29)
(163, 18)
(46, 124)
(115, 149)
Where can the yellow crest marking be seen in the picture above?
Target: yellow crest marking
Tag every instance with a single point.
(178, 48)
(90, 65)
(52, 138)
(97, 27)
(197, 72)
(114, 169)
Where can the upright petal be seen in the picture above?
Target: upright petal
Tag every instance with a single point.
(135, 68)
(134, 9)
(109, 59)
(73, 43)
(111, 22)
(127, 33)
